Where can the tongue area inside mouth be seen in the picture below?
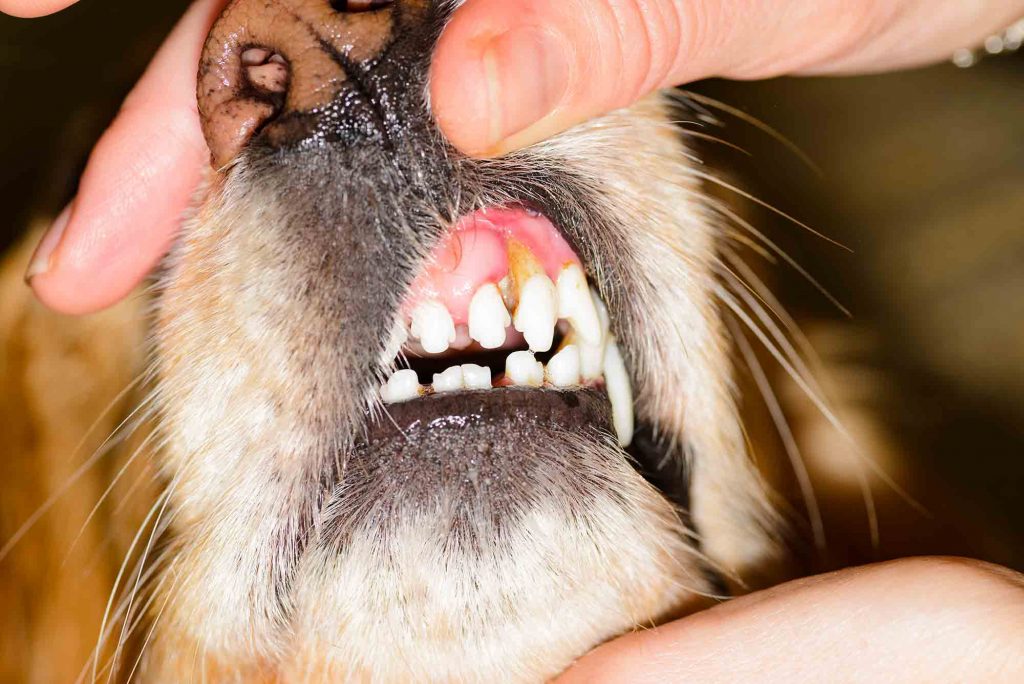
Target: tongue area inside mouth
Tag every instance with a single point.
(477, 250)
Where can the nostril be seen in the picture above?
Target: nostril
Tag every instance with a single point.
(359, 5)
(265, 69)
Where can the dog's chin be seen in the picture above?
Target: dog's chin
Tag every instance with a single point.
(487, 531)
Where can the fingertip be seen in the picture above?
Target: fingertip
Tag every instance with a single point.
(30, 9)
(498, 70)
(138, 183)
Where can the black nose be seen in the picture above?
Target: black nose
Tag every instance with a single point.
(292, 71)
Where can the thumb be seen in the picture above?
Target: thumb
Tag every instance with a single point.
(507, 74)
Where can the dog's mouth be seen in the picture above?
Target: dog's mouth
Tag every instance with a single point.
(502, 323)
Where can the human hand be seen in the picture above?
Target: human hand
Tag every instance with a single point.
(914, 620)
(505, 75)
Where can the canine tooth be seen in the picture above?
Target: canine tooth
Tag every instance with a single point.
(402, 385)
(592, 355)
(476, 377)
(488, 317)
(576, 305)
(620, 393)
(433, 325)
(537, 312)
(591, 361)
(522, 369)
(448, 380)
(563, 369)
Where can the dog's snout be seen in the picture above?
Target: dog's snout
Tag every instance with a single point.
(289, 70)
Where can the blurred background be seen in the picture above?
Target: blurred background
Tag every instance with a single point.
(919, 174)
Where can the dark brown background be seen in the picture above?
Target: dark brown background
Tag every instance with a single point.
(921, 174)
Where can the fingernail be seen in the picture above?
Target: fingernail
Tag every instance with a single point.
(528, 71)
(42, 258)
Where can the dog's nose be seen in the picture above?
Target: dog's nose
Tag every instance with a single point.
(289, 71)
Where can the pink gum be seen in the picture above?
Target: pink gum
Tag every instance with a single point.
(475, 252)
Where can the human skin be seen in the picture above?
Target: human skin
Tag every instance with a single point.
(913, 620)
(505, 75)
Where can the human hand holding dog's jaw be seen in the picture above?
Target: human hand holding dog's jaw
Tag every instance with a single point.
(505, 75)
(913, 620)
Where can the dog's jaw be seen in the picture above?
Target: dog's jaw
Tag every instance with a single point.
(294, 553)
(259, 587)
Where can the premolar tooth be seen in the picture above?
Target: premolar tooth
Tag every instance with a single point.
(620, 393)
(563, 369)
(401, 386)
(450, 380)
(433, 325)
(476, 377)
(537, 312)
(488, 317)
(522, 369)
(576, 305)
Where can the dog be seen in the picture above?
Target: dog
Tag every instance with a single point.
(392, 414)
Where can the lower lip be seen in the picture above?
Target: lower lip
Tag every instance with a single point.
(573, 410)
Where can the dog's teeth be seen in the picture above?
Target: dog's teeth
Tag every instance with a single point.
(563, 369)
(476, 377)
(450, 380)
(433, 325)
(592, 355)
(537, 312)
(620, 393)
(401, 386)
(488, 317)
(522, 369)
(576, 305)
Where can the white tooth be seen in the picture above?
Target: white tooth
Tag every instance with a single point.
(433, 325)
(522, 369)
(620, 393)
(449, 380)
(488, 317)
(576, 305)
(563, 370)
(476, 377)
(402, 385)
(537, 312)
(592, 355)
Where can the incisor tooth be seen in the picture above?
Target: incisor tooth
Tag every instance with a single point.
(402, 385)
(476, 377)
(576, 305)
(563, 369)
(488, 317)
(522, 369)
(433, 325)
(449, 380)
(537, 312)
(620, 393)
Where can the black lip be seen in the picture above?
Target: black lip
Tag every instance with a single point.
(489, 422)
(495, 411)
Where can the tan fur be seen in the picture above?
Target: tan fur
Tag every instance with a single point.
(63, 383)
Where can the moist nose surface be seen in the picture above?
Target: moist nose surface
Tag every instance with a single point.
(295, 70)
